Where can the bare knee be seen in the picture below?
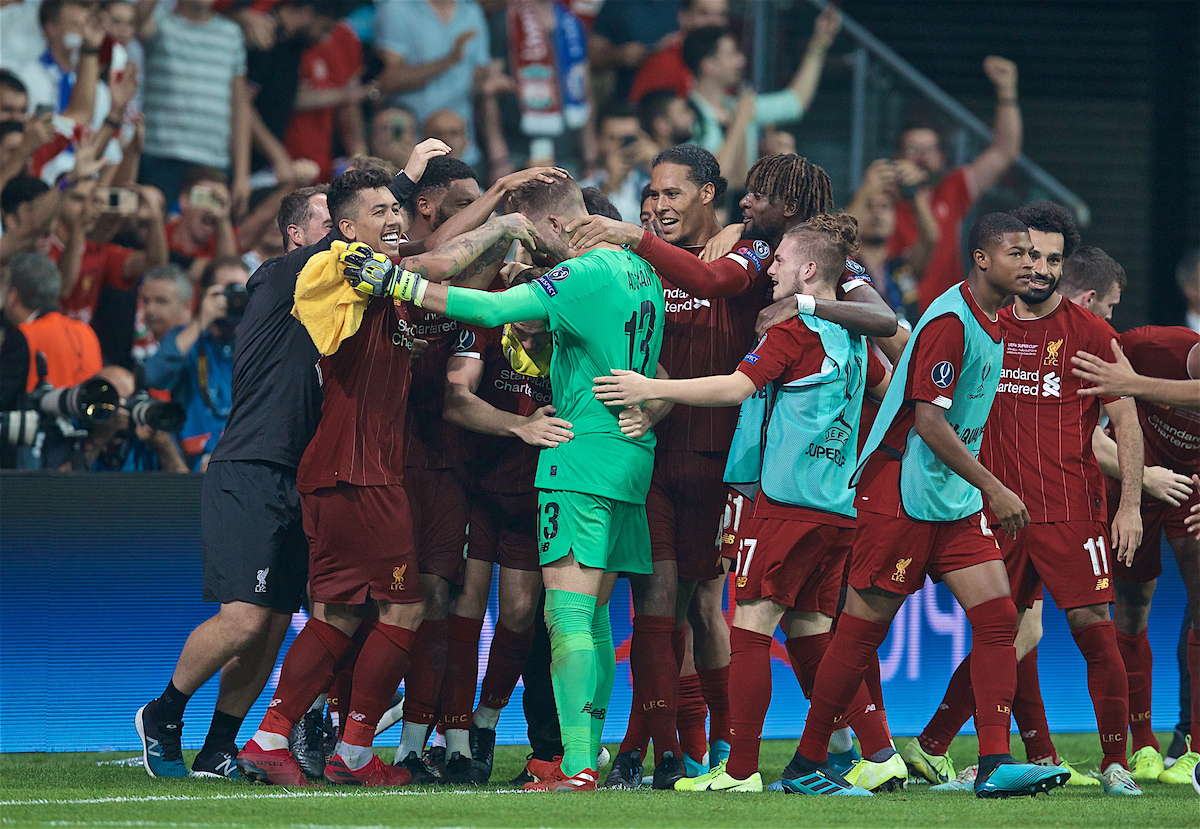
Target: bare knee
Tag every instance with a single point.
(435, 594)
(1131, 606)
(1082, 617)
(654, 594)
(241, 623)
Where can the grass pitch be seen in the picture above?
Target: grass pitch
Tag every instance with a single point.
(73, 790)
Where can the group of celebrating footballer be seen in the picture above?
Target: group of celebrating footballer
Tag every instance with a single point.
(571, 416)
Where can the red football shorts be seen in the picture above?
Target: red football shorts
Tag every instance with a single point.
(1157, 517)
(503, 529)
(684, 509)
(796, 564)
(360, 545)
(1072, 558)
(439, 515)
(895, 554)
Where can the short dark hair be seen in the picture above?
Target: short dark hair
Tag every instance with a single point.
(1045, 216)
(1090, 269)
(200, 173)
(208, 276)
(700, 44)
(343, 192)
(439, 174)
(51, 9)
(617, 108)
(654, 104)
(10, 81)
(296, 207)
(20, 189)
(598, 204)
(702, 166)
(36, 280)
(990, 229)
(646, 191)
(537, 199)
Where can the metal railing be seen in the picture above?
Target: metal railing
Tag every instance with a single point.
(871, 49)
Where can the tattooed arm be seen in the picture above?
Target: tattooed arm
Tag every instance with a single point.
(452, 258)
(482, 272)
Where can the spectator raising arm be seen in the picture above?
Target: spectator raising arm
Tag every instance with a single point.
(804, 83)
(400, 76)
(992, 163)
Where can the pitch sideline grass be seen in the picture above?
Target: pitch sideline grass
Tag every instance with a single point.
(72, 790)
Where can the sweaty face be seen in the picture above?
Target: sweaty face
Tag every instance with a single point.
(1009, 265)
(765, 219)
(785, 270)
(377, 221)
(458, 195)
(13, 105)
(1047, 256)
(923, 147)
(680, 204)
(880, 221)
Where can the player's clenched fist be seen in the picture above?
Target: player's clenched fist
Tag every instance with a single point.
(374, 274)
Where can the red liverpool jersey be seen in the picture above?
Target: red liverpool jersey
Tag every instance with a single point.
(504, 465)
(1172, 436)
(711, 308)
(431, 442)
(1038, 440)
(360, 439)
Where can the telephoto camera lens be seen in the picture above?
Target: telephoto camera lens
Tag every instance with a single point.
(162, 415)
(95, 400)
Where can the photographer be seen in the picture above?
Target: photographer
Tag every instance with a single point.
(625, 156)
(195, 361)
(121, 444)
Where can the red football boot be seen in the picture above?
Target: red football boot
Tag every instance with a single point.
(277, 766)
(374, 773)
(544, 769)
(585, 781)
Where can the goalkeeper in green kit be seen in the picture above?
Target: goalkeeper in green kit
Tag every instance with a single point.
(604, 307)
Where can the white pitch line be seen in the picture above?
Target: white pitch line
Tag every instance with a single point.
(285, 795)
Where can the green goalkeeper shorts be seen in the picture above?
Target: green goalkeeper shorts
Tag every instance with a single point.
(602, 533)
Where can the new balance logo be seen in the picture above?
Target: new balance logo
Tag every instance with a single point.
(152, 747)
(358, 717)
(226, 767)
(1052, 385)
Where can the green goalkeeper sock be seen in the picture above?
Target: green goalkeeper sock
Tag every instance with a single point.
(573, 673)
(606, 672)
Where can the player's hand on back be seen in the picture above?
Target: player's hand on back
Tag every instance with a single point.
(622, 388)
(543, 429)
(723, 242)
(1127, 532)
(1166, 485)
(779, 311)
(1010, 510)
(634, 422)
(589, 231)
(1115, 379)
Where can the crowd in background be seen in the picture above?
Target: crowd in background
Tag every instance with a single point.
(146, 147)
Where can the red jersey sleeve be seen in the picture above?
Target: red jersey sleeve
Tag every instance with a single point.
(937, 361)
(1159, 351)
(790, 350)
(876, 370)
(115, 257)
(954, 191)
(473, 341)
(731, 275)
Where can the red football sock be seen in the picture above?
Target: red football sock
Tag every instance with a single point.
(307, 670)
(655, 680)
(462, 670)
(1139, 666)
(506, 660)
(637, 733)
(379, 669)
(1193, 663)
(714, 685)
(750, 684)
(691, 716)
(956, 708)
(993, 671)
(867, 715)
(1029, 712)
(839, 678)
(423, 686)
(1108, 686)
(805, 652)
(343, 680)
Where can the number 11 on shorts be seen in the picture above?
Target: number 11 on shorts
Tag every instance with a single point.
(1095, 548)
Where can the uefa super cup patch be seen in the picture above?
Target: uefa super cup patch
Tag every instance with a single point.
(762, 248)
(855, 268)
(466, 340)
(559, 274)
(943, 374)
(546, 285)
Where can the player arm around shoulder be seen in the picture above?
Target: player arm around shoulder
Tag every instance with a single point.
(628, 388)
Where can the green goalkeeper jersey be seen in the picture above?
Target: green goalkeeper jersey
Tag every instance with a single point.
(605, 311)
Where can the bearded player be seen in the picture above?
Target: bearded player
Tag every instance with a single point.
(1038, 443)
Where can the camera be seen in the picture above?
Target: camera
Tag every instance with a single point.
(161, 415)
(236, 298)
(95, 400)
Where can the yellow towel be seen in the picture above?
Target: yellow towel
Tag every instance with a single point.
(325, 303)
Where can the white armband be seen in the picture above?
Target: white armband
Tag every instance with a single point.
(806, 304)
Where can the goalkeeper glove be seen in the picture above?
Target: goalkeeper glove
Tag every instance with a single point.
(374, 274)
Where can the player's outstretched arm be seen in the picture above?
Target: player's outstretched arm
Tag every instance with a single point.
(1131, 458)
(478, 211)
(463, 407)
(452, 258)
(943, 441)
(628, 388)
(862, 311)
(636, 421)
(1118, 379)
(1157, 481)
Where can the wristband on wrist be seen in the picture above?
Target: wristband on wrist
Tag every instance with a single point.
(807, 305)
(419, 291)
